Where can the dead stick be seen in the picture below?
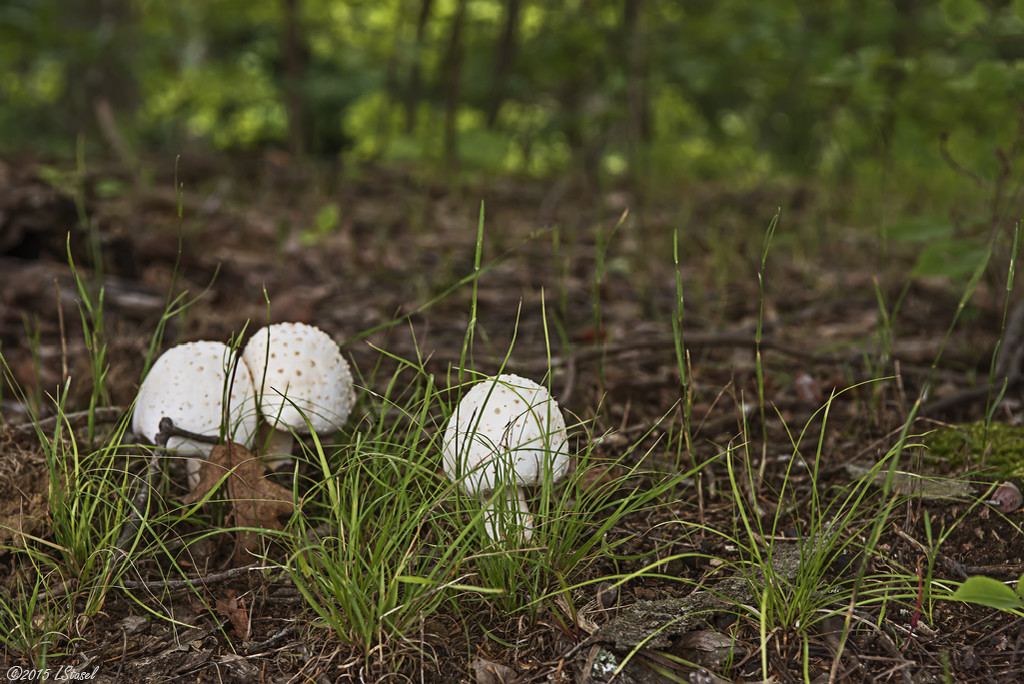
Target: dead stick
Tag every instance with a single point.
(105, 414)
(959, 569)
(1009, 358)
(274, 638)
(189, 583)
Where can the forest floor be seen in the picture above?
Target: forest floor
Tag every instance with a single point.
(582, 299)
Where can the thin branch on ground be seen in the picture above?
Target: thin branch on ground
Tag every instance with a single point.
(193, 582)
(1007, 372)
(79, 419)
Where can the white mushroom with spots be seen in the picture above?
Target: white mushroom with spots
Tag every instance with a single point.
(300, 375)
(508, 431)
(188, 384)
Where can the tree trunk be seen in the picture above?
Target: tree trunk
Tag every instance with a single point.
(412, 94)
(901, 40)
(452, 78)
(294, 75)
(99, 72)
(503, 60)
(639, 110)
(638, 125)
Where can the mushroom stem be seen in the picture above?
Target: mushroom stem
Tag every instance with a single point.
(276, 444)
(509, 519)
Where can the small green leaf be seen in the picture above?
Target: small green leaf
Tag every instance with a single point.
(923, 229)
(989, 592)
(108, 188)
(324, 223)
(992, 78)
(327, 219)
(955, 258)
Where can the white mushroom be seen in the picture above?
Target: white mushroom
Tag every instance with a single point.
(300, 375)
(506, 430)
(187, 384)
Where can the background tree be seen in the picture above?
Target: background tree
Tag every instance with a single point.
(652, 92)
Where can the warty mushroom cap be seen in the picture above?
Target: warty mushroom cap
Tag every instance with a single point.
(186, 384)
(504, 424)
(299, 371)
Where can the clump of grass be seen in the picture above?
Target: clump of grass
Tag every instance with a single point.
(369, 553)
(796, 591)
(89, 495)
(30, 626)
(574, 523)
(784, 588)
(70, 566)
(826, 575)
(385, 539)
(87, 507)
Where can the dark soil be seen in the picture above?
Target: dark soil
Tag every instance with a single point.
(401, 247)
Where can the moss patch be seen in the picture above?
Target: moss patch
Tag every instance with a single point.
(997, 446)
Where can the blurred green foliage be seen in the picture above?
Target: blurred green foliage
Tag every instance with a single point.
(841, 90)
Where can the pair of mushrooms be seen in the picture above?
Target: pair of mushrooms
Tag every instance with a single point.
(506, 430)
(292, 372)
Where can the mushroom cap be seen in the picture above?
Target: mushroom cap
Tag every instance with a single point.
(300, 374)
(187, 385)
(505, 424)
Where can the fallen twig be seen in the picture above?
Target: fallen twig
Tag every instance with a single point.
(189, 583)
(80, 419)
(273, 639)
(1009, 359)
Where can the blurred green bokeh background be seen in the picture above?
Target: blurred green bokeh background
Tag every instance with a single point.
(864, 93)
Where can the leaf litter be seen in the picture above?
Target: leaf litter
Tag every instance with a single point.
(379, 265)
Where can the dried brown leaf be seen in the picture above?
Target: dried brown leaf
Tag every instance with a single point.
(234, 610)
(256, 502)
(490, 672)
